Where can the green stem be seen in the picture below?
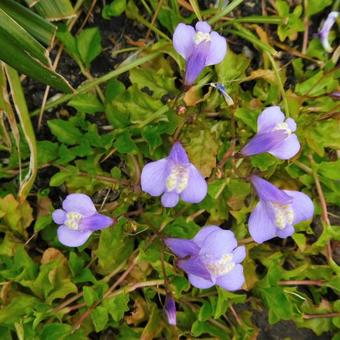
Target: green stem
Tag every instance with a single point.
(256, 19)
(224, 12)
(91, 84)
(196, 9)
(282, 90)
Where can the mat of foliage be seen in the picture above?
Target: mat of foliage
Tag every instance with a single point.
(97, 140)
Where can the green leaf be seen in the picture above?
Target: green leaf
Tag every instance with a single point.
(318, 84)
(69, 42)
(117, 306)
(204, 327)
(89, 44)
(114, 247)
(159, 83)
(264, 161)
(277, 303)
(314, 7)
(55, 331)
(42, 222)
(152, 135)
(47, 152)
(114, 9)
(99, 318)
(206, 311)
(125, 144)
(323, 134)
(64, 131)
(90, 295)
(20, 306)
(16, 216)
(87, 103)
(75, 263)
(247, 116)
(232, 67)
(202, 150)
(330, 170)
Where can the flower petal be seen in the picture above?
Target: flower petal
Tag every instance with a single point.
(264, 142)
(79, 203)
(217, 50)
(199, 282)
(291, 124)
(59, 216)
(182, 247)
(261, 227)
(269, 192)
(196, 62)
(288, 148)
(302, 205)
(178, 154)
(197, 187)
(95, 222)
(269, 117)
(72, 238)
(326, 28)
(203, 26)
(203, 234)
(234, 280)
(169, 199)
(170, 310)
(239, 254)
(286, 232)
(194, 266)
(153, 177)
(218, 243)
(183, 40)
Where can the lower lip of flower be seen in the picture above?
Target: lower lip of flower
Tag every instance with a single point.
(284, 215)
(220, 267)
(283, 126)
(73, 220)
(178, 179)
(201, 37)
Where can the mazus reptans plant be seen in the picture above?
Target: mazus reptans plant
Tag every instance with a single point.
(277, 211)
(211, 258)
(200, 47)
(78, 220)
(275, 134)
(174, 177)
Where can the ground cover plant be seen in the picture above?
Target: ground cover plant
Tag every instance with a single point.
(169, 169)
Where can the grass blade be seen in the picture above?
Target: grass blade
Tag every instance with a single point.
(19, 102)
(15, 56)
(40, 28)
(53, 10)
(224, 12)
(21, 37)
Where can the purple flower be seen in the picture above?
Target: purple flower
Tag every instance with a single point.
(277, 211)
(200, 48)
(274, 135)
(326, 28)
(211, 257)
(174, 177)
(78, 220)
(170, 310)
